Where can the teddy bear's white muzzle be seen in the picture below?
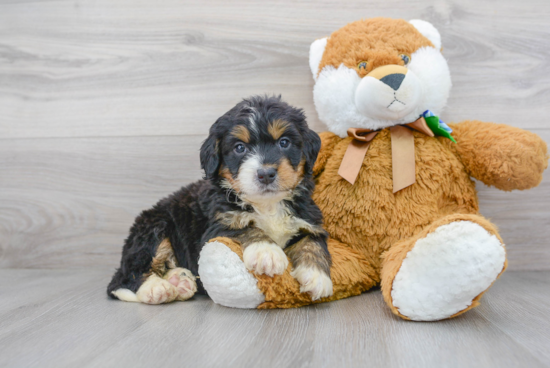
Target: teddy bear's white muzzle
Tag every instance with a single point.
(388, 97)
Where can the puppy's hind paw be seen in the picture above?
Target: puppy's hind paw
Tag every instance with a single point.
(313, 281)
(156, 291)
(184, 282)
(265, 258)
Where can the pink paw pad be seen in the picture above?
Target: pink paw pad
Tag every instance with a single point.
(184, 281)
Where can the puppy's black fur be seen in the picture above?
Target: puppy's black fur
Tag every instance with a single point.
(191, 216)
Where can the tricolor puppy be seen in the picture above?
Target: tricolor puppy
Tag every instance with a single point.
(258, 162)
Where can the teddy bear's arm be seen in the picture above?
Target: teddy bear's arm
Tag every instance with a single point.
(328, 141)
(500, 155)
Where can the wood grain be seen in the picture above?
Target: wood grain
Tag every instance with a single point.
(62, 318)
(76, 212)
(70, 202)
(103, 105)
(171, 67)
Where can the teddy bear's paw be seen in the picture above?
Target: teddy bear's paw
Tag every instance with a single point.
(265, 258)
(313, 281)
(184, 282)
(445, 271)
(156, 291)
(226, 279)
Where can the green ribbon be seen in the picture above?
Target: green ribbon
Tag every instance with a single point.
(437, 126)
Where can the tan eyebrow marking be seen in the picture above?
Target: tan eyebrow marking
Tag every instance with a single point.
(241, 133)
(277, 128)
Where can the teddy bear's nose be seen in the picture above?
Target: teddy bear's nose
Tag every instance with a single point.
(393, 80)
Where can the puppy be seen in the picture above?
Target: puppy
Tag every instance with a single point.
(258, 162)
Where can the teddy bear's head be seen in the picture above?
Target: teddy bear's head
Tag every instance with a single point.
(377, 73)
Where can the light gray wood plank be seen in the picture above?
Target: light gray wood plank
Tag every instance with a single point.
(70, 202)
(76, 325)
(27, 294)
(523, 219)
(142, 82)
(519, 306)
(171, 67)
(107, 70)
(73, 323)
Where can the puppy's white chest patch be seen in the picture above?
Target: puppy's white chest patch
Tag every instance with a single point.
(277, 223)
(274, 219)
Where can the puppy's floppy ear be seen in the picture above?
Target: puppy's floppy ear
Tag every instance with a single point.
(210, 156)
(311, 147)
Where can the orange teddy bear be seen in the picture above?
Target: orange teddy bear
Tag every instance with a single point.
(393, 181)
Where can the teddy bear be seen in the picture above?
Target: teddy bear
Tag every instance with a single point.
(393, 181)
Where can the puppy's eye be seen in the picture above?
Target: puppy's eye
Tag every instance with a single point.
(240, 148)
(284, 143)
(406, 59)
(362, 65)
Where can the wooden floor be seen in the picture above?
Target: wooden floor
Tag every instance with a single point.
(62, 318)
(104, 104)
(103, 107)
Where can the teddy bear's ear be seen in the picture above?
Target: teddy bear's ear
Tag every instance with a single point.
(316, 51)
(428, 30)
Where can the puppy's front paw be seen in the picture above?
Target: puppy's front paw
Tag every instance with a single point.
(265, 258)
(156, 291)
(184, 281)
(313, 281)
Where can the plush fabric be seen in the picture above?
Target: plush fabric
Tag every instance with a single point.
(345, 93)
(236, 287)
(393, 259)
(347, 45)
(426, 245)
(499, 155)
(351, 275)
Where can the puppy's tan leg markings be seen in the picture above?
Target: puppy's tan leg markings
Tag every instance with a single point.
(261, 254)
(265, 258)
(311, 267)
(307, 252)
(156, 291)
(184, 282)
(166, 282)
(164, 259)
(253, 235)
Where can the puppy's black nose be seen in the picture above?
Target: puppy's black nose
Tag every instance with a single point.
(267, 176)
(393, 80)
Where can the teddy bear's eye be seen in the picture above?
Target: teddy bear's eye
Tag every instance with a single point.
(362, 65)
(406, 58)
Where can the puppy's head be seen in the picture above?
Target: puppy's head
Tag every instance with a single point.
(262, 148)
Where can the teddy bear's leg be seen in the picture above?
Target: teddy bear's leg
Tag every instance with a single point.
(225, 277)
(442, 271)
(228, 282)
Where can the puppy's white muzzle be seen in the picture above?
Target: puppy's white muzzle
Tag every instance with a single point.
(390, 92)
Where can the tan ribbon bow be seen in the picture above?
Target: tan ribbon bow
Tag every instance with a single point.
(402, 150)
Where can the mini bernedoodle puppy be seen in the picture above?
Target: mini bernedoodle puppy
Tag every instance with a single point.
(258, 162)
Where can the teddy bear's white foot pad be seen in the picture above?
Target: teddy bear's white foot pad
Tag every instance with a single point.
(226, 279)
(446, 270)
